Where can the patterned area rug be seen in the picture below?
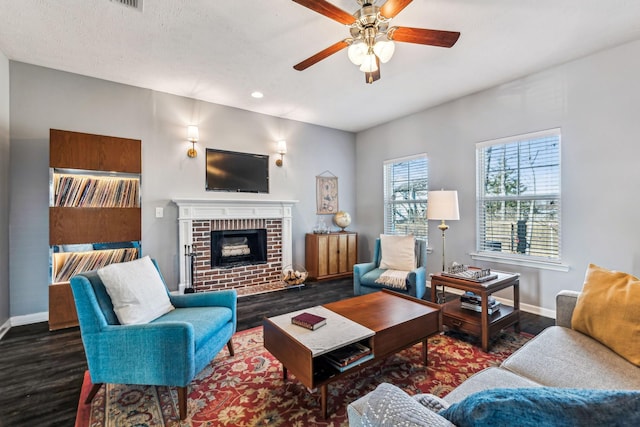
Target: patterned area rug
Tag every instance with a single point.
(248, 389)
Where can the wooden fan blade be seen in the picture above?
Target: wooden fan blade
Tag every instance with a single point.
(392, 7)
(321, 55)
(327, 9)
(424, 36)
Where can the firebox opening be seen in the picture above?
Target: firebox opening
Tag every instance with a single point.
(233, 248)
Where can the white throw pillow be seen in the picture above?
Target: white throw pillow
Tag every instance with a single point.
(136, 290)
(398, 252)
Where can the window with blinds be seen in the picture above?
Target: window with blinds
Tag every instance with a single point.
(405, 196)
(518, 195)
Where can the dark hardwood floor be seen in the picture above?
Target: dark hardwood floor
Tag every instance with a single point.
(41, 371)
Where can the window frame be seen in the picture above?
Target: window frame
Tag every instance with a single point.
(387, 189)
(527, 260)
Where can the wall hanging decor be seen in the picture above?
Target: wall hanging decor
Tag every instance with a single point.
(326, 193)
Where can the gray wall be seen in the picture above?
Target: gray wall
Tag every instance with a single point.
(595, 102)
(42, 98)
(4, 189)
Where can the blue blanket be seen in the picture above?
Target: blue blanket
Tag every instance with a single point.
(546, 407)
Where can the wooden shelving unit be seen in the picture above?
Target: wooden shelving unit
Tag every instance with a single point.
(331, 256)
(98, 234)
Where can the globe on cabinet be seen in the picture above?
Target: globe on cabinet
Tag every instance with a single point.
(342, 219)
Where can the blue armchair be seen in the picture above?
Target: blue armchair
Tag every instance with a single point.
(366, 274)
(170, 350)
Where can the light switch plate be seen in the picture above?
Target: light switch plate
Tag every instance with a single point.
(159, 212)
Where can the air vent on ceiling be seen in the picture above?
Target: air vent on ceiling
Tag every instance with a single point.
(136, 4)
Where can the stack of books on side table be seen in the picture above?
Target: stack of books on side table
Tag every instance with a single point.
(349, 356)
(471, 301)
(309, 320)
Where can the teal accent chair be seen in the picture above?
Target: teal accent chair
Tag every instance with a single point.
(365, 274)
(170, 350)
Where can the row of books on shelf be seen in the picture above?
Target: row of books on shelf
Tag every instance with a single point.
(92, 192)
(77, 262)
(473, 302)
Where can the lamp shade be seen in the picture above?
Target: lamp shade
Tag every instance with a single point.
(357, 51)
(369, 65)
(384, 50)
(192, 133)
(282, 146)
(443, 205)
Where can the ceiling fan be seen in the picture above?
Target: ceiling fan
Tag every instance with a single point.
(371, 41)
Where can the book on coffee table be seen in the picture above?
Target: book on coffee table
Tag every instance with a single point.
(346, 356)
(309, 320)
(352, 364)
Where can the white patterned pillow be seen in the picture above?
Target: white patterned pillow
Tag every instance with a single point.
(431, 402)
(389, 406)
(136, 290)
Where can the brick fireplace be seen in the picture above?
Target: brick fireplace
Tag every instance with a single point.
(198, 218)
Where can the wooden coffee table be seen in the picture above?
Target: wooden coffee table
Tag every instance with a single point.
(385, 321)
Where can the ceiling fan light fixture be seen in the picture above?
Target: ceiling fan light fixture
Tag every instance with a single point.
(384, 49)
(357, 52)
(372, 39)
(369, 65)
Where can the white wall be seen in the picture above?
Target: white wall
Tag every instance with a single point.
(593, 100)
(4, 189)
(44, 98)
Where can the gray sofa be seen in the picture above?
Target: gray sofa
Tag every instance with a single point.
(557, 357)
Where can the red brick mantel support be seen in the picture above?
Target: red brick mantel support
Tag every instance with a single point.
(197, 218)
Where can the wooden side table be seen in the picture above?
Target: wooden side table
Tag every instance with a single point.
(480, 324)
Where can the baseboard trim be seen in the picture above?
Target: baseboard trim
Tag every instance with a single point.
(5, 328)
(29, 319)
(533, 309)
(540, 311)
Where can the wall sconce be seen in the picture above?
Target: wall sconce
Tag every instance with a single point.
(192, 137)
(282, 150)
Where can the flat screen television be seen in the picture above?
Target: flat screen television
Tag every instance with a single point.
(237, 172)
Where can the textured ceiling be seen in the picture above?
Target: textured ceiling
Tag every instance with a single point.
(221, 51)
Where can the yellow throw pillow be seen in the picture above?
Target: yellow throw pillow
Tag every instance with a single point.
(608, 310)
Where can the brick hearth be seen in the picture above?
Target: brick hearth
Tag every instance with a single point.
(244, 277)
(196, 220)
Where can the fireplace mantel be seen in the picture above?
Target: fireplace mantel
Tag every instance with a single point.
(190, 210)
(233, 208)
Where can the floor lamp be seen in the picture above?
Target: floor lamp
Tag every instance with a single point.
(443, 205)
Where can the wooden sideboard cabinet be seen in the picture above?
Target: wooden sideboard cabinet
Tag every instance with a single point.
(332, 255)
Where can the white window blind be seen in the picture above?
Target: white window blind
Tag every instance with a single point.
(518, 195)
(405, 196)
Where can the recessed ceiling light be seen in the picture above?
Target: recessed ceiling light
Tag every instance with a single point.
(257, 94)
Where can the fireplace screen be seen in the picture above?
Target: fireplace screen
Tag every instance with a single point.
(232, 248)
